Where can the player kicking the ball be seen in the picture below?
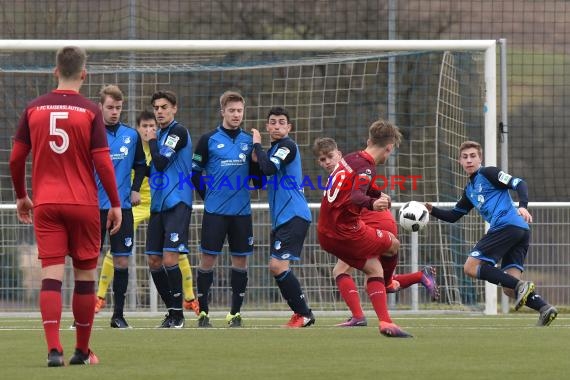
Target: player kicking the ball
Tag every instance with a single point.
(341, 230)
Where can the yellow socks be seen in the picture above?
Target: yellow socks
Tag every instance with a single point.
(186, 270)
(107, 273)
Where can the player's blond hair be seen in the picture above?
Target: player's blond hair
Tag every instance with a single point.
(471, 144)
(230, 96)
(324, 145)
(112, 91)
(383, 132)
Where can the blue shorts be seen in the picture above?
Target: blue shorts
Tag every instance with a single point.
(508, 245)
(238, 229)
(287, 240)
(121, 242)
(168, 230)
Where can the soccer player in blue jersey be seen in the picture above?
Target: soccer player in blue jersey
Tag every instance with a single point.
(507, 239)
(170, 204)
(290, 214)
(225, 155)
(127, 154)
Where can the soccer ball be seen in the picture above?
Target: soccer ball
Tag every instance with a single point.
(413, 216)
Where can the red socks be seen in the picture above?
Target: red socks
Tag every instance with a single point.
(349, 293)
(408, 279)
(50, 308)
(377, 293)
(83, 305)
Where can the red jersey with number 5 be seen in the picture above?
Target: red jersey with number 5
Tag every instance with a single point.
(348, 192)
(63, 128)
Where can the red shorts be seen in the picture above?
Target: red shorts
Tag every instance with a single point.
(358, 247)
(382, 220)
(72, 230)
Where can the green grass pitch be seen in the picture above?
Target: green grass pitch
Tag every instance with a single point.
(458, 347)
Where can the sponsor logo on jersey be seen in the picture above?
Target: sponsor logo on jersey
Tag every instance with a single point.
(282, 153)
(475, 254)
(285, 256)
(504, 177)
(171, 141)
(220, 146)
(242, 157)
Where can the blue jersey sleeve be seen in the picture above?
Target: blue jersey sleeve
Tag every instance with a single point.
(503, 180)
(176, 140)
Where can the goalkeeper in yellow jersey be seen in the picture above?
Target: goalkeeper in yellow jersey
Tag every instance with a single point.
(146, 122)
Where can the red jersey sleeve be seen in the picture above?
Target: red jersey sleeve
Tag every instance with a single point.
(18, 167)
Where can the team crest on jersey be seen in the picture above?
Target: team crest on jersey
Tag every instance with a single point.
(250, 240)
(504, 177)
(379, 233)
(282, 153)
(277, 245)
(128, 242)
(480, 199)
(244, 146)
(126, 139)
(172, 141)
(174, 237)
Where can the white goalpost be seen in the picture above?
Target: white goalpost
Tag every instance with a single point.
(444, 92)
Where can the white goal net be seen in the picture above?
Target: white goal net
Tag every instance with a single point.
(439, 93)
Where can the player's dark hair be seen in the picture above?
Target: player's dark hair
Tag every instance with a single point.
(145, 115)
(170, 96)
(278, 111)
(70, 61)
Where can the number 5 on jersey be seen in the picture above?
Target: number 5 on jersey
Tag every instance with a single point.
(55, 131)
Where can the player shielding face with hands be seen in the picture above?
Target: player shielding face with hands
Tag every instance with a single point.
(290, 214)
(66, 135)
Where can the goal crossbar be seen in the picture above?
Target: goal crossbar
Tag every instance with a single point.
(248, 45)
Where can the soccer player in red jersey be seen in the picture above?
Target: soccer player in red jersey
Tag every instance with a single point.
(328, 155)
(66, 135)
(341, 230)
